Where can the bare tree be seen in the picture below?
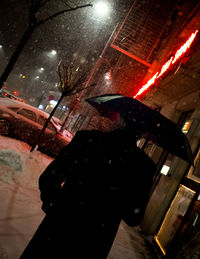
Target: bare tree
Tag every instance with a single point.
(34, 6)
(67, 88)
(78, 87)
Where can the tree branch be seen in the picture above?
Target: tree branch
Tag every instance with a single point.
(42, 4)
(66, 4)
(84, 88)
(61, 12)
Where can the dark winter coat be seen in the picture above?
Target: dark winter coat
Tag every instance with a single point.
(105, 178)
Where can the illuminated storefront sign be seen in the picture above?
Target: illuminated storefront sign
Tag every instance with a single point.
(173, 59)
(165, 169)
(186, 126)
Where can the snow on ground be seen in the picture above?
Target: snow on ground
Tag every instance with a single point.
(20, 205)
(19, 165)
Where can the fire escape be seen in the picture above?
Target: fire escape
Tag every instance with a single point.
(141, 32)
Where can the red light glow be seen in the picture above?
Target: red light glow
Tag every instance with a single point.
(165, 67)
(147, 85)
(185, 47)
(179, 53)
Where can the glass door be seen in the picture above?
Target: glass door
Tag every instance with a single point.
(174, 217)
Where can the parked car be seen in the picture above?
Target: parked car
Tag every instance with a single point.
(25, 122)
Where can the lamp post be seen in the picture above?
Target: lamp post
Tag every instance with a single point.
(100, 59)
(97, 65)
(102, 9)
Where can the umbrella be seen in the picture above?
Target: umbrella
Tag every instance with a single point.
(161, 131)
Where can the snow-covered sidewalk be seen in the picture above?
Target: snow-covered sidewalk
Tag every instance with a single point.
(20, 205)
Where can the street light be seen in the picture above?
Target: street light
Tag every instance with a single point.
(101, 8)
(22, 76)
(108, 75)
(1, 46)
(52, 53)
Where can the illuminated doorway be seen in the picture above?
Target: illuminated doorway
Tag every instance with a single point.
(174, 217)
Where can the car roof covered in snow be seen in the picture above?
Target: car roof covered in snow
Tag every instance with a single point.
(4, 101)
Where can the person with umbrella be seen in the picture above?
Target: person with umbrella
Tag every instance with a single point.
(97, 180)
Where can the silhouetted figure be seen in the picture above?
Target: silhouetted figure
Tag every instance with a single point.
(97, 180)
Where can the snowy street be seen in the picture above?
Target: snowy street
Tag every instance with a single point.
(20, 206)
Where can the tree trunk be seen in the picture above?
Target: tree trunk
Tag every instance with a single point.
(16, 54)
(46, 123)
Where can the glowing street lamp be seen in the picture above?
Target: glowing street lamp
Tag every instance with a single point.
(108, 75)
(101, 8)
(22, 76)
(52, 53)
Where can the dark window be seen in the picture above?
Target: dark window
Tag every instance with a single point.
(42, 120)
(28, 114)
(14, 109)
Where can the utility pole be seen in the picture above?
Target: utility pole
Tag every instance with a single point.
(100, 59)
(95, 68)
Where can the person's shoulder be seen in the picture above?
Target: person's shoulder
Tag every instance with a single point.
(81, 140)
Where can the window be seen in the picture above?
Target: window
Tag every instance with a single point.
(42, 120)
(174, 217)
(28, 114)
(14, 109)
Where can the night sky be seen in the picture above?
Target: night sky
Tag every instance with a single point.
(78, 37)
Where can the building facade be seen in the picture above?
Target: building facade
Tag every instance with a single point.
(159, 64)
(173, 212)
(172, 85)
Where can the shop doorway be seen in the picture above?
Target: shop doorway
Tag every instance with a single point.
(174, 218)
(188, 238)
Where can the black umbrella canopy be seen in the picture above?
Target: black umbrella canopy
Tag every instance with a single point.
(161, 131)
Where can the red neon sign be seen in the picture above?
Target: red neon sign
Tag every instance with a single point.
(179, 53)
